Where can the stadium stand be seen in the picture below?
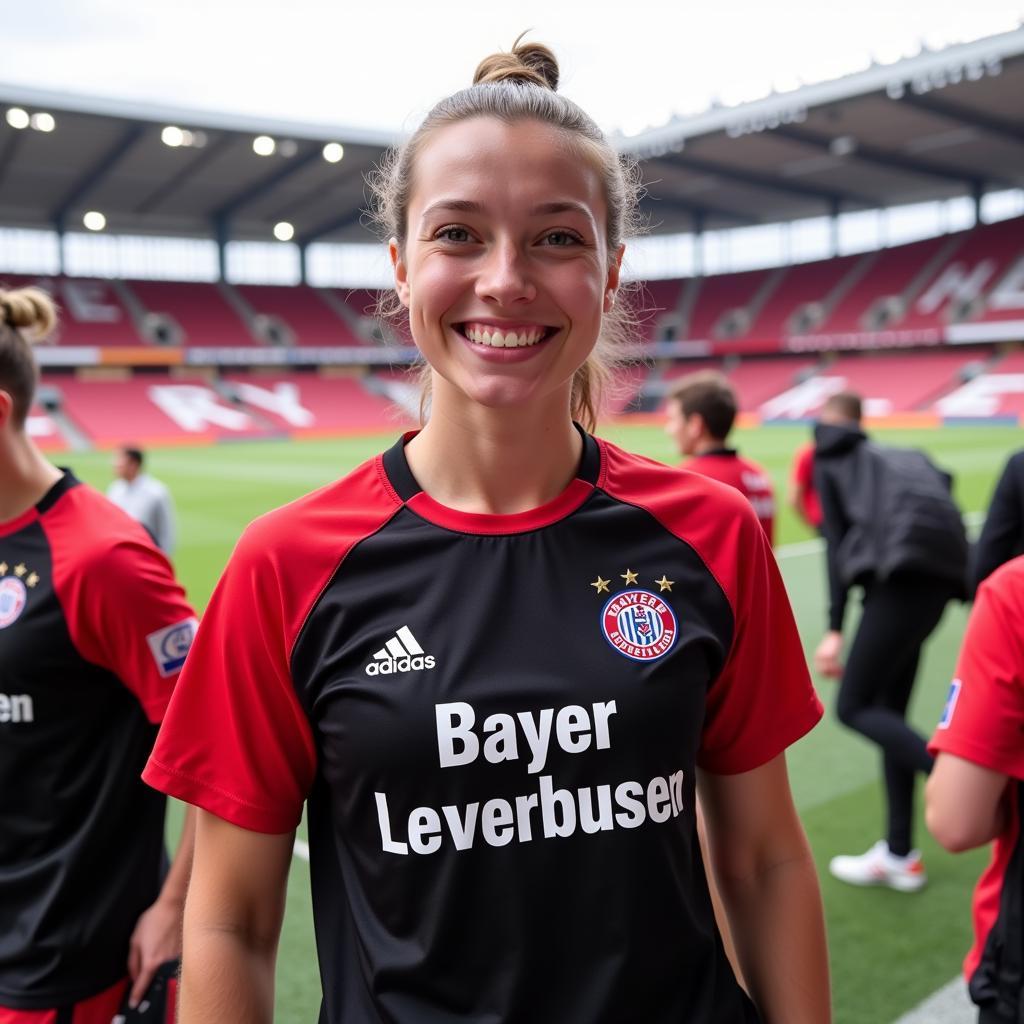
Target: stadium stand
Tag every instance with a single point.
(151, 409)
(724, 305)
(201, 310)
(803, 289)
(307, 317)
(899, 382)
(656, 307)
(996, 394)
(757, 380)
(91, 310)
(309, 404)
(879, 297)
(42, 429)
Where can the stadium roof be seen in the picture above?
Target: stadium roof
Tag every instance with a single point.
(934, 126)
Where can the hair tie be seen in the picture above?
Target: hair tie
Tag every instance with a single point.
(8, 314)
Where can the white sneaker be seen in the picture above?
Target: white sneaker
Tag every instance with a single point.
(880, 867)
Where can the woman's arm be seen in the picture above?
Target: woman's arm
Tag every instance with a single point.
(769, 887)
(156, 937)
(966, 804)
(232, 923)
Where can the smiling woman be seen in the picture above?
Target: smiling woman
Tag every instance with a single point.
(542, 866)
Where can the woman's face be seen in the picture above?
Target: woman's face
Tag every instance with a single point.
(505, 270)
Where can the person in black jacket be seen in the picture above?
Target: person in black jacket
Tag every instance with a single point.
(1002, 536)
(892, 528)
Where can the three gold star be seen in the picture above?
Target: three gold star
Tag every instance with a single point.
(3, 568)
(664, 583)
(600, 585)
(629, 576)
(32, 580)
(20, 570)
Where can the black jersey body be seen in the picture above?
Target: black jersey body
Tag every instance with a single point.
(496, 721)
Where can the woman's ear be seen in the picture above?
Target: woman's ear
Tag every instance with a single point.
(401, 275)
(614, 273)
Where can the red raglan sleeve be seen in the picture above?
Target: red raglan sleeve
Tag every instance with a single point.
(983, 721)
(124, 609)
(236, 740)
(763, 699)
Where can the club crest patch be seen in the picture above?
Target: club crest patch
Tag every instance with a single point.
(13, 597)
(170, 645)
(639, 625)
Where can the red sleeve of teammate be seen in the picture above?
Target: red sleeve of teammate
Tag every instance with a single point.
(236, 741)
(763, 699)
(803, 466)
(124, 609)
(984, 717)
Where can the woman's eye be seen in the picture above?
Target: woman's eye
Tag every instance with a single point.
(561, 238)
(453, 234)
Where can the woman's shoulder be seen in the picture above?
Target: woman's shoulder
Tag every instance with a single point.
(325, 521)
(671, 490)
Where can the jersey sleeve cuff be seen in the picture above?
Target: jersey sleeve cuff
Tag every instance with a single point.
(234, 809)
(790, 730)
(981, 754)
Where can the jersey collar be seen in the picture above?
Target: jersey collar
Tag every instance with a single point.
(45, 503)
(396, 466)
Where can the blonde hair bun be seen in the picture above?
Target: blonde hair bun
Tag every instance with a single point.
(527, 64)
(29, 310)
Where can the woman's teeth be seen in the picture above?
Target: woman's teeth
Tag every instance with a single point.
(495, 338)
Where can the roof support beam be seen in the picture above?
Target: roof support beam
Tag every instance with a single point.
(328, 227)
(964, 115)
(770, 182)
(95, 174)
(266, 184)
(699, 213)
(883, 157)
(8, 153)
(203, 158)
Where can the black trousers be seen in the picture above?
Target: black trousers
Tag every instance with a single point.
(898, 616)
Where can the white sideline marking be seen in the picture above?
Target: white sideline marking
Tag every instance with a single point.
(949, 1005)
(301, 850)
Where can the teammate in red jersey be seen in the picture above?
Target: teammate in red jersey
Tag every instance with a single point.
(93, 632)
(699, 415)
(975, 790)
(803, 497)
(493, 660)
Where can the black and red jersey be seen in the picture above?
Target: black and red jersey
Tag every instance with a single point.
(93, 632)
(983, 723)
(748, 477)
(496, 721)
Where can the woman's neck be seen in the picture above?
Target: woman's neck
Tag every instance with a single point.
(25, 475)
(496, 461)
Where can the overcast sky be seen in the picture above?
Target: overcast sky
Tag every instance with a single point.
(630, 64)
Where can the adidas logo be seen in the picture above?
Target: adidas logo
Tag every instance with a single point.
(402, 653)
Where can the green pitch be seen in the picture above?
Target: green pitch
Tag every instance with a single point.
(888, 950)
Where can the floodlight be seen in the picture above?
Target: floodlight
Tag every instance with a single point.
(283, 231)
(333, 152)
(263, 145)
(843, 145)
(94, 220)
(43, 122)
(18, 118)
(172, 136)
